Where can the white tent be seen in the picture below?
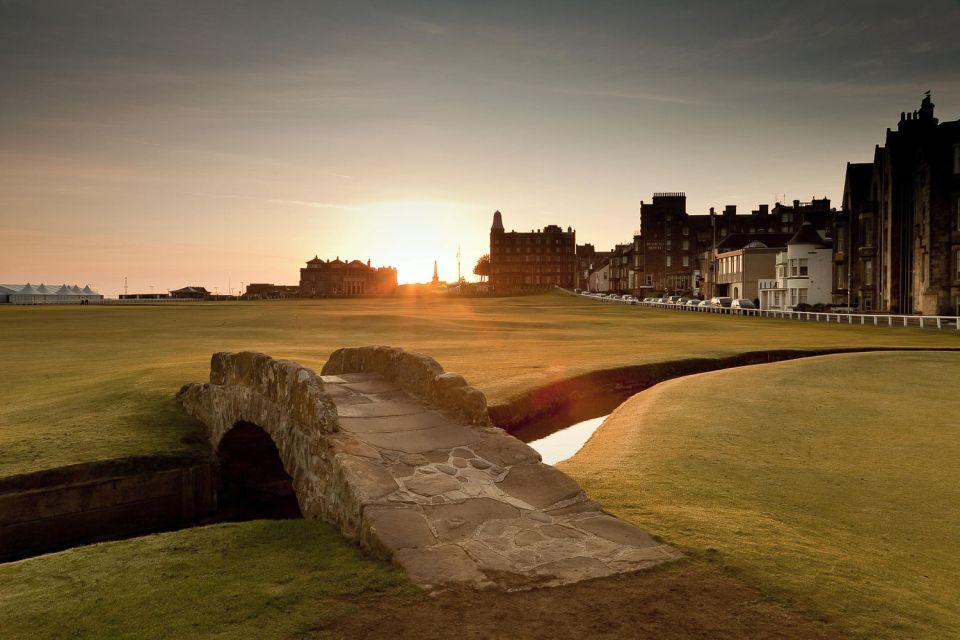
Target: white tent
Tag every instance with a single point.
(42, 294)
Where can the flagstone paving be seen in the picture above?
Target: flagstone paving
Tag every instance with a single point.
(457, 503)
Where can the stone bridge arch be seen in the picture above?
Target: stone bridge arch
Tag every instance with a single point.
(402, 457)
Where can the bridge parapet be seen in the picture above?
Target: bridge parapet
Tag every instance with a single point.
(417, 374)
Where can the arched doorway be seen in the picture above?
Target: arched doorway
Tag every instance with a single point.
(253, 482)
(736, 292)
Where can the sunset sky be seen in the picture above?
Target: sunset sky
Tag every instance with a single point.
(215, 143)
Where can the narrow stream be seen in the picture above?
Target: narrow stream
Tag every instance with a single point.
(563, 444)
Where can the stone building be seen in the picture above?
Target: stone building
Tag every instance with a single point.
(898, 236)
(672, 242)
(338, 277)
(536, 260)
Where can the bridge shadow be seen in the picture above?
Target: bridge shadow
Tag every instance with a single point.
(253, 482)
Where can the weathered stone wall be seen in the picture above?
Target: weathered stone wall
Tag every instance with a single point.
(288, 402)
(417, 374)
(53, 515)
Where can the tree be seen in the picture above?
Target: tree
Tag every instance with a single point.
(482, 267)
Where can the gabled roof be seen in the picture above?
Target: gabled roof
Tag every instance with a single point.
(807, 235)
(736, 241)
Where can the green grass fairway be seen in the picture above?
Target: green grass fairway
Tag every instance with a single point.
(92, 383)
(834, 480)
(276, 579)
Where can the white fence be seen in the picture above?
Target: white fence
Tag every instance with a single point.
(877, 320)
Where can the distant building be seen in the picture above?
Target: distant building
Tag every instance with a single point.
(589, 260)
(803, 272)
(671, 244)
(47, 294)
(526, 261)
(267, 291)
(190, 293)
(717, 265)
(739, 271)
(599, 280)
(144, 296)
(338, 277)
(898, 236)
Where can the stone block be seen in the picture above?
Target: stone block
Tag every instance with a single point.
(391, 529)
(539, 485)
(460, 521)
(618, 531)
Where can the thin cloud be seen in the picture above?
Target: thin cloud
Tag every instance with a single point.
(313, 204)
(614, 93)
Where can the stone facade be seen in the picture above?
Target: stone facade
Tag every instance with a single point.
(541, 259)
(898, 238)
(340, 277)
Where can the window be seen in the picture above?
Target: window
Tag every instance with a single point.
(686, 261)
(669, 260)
(802, 296)
(793, 297)
(669, 245)
(803, 266)
(686, 245)
(793, 267)
(868, 272)
(786, 217)
(649, 279)
(686, 231)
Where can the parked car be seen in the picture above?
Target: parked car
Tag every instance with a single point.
(742, 304)
(704, 304)
(692, 302)
(721, 301)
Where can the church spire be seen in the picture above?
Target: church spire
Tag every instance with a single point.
(436, 278)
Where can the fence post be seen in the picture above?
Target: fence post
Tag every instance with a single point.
(938, 322)
(921, 322)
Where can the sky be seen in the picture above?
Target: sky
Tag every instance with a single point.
(217, 143)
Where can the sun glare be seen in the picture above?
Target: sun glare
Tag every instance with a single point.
(411, 234)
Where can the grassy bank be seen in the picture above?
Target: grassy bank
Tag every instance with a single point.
(285, 580)
(97, 382)
(833, 480)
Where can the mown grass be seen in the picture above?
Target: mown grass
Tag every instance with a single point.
(92, 383)
(833, 480)
(276, 579)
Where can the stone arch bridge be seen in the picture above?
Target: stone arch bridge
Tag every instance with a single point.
(402, 457)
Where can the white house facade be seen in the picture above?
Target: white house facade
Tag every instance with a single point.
(804, 272)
